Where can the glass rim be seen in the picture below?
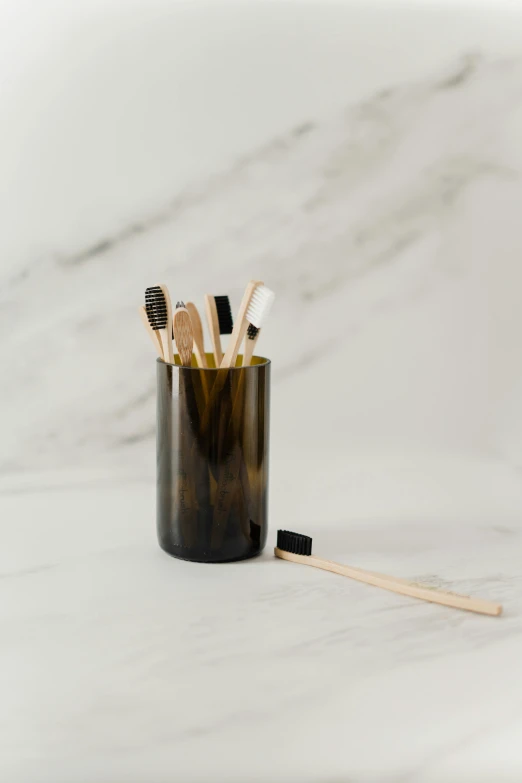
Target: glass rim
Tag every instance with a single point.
(264, 363)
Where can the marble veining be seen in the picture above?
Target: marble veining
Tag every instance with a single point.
(356, 220)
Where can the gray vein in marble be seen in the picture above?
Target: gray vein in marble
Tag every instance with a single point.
(136, 437)
(28, 571)
(459, 77)
(336, 215)
(462, 74)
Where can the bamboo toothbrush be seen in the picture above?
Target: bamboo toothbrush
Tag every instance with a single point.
(240, 326)
(154, 336)
(159, 314)
(183, 335)
(257, 310)
(255, 306)
(197, 331)
(298, 549)
(199, 346)
(252, 336)
(219, 319)
(186, 482)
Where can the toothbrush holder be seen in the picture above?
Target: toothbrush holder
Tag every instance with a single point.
(212, 460)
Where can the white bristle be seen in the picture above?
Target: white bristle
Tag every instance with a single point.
(260, 304)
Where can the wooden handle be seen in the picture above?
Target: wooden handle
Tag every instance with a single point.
(197, 331)
(199, 345)
(248, 351)
(230, 356)
(166, 334)
(401, 586)
(213, 328)
(154, 336)
(201, 358)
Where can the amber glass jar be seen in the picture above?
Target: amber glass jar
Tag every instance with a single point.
(212, 460)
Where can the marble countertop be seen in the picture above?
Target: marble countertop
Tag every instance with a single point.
(119, 663)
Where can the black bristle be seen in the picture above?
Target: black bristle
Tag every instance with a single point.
(180, 304)
(252, 332)
(224, 314)
(156, 307)
(294, 542)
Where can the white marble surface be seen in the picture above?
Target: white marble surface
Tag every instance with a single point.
(120, 663)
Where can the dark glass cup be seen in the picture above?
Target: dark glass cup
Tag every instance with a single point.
(212, 460)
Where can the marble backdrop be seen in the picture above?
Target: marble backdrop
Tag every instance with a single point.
(372, 180)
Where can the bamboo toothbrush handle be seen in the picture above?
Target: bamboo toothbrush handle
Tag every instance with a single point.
(200, 356)
(197, 333)
(213, 328)
(229, 359)
(154, 336)
(168, 355)
(425, 593)
(166, 333)
(248, 351)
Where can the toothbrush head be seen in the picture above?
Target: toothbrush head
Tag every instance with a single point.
(156, 307)
(259, 306)
(294, 542)
(224, 314)
(183, 335)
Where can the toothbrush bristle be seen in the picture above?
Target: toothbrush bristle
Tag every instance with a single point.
(180, 304)
(156, 307)
(224, 314)
(260, 304)
(294, 542)
(252, 332)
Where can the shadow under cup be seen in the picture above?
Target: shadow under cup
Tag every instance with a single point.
(212, 460)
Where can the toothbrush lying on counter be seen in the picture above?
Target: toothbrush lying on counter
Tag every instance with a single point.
(298, 549)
